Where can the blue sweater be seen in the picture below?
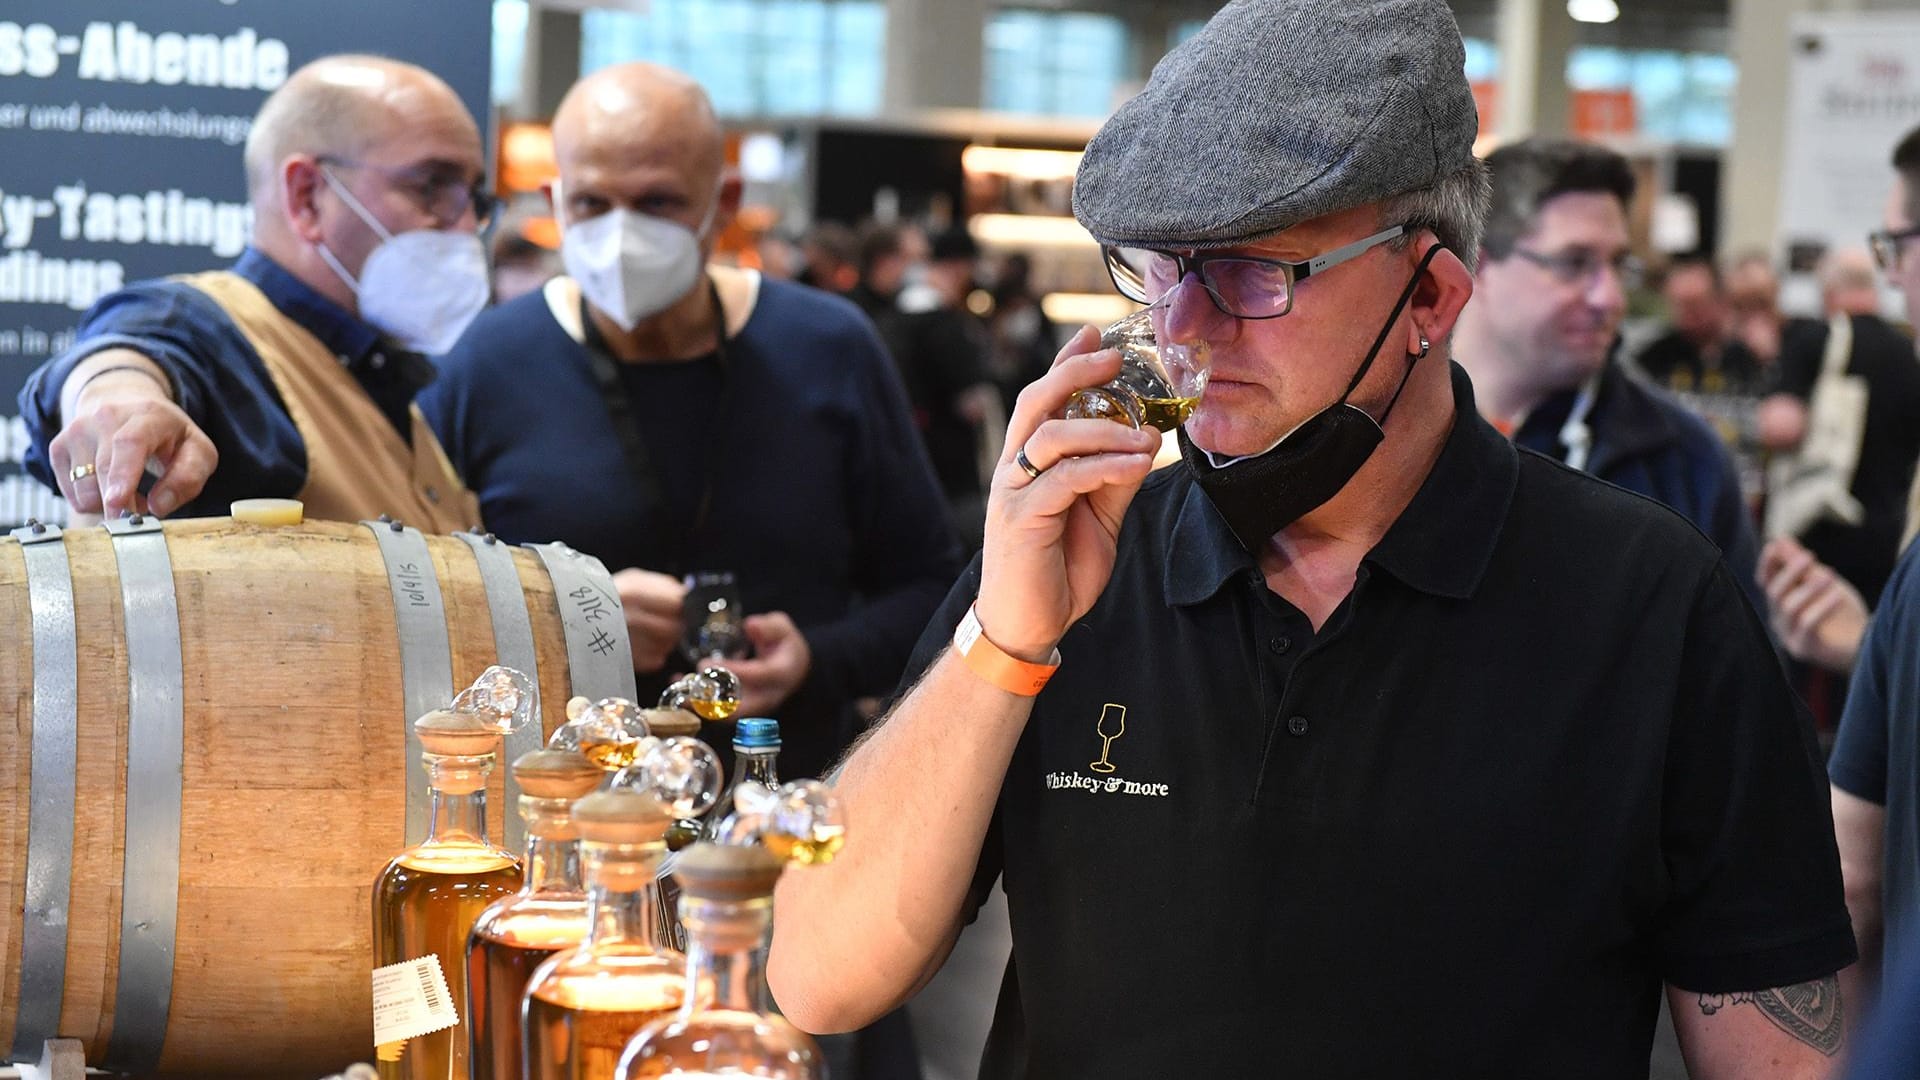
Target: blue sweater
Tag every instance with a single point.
(823, 503)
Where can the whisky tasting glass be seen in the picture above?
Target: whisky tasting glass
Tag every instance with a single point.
(712, 617)
(1159, 384)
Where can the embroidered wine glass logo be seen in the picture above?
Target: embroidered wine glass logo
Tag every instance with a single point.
(1112, 725)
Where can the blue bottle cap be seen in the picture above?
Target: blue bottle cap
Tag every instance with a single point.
(756, 733)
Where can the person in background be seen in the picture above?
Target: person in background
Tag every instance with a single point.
(1875, 765)
(892, 256)
(1882, 355)
(779, 257)
(1024, 339)
(1699, 353)
(1753, 304)
(830, 258)
(1359, 706)
(293, 373)
(520, 265)
(1549, 293)
(942, 349)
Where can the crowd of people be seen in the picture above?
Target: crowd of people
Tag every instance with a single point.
(1461, 692)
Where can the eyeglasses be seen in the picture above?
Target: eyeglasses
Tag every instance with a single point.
(446, 193)
(1886, 244)
(1581, 266)
(1242, 286)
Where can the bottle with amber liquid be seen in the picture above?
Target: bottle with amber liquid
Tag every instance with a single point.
(428, 897)
(726, 1026)
(517, 934)
(584, 1004)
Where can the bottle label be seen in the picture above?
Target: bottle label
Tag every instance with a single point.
(411, 999)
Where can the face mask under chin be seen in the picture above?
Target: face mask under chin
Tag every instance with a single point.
(1258, 495)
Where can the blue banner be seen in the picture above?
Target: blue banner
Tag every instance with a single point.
(121, 129)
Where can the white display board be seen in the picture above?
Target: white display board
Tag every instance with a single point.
(1853, 89)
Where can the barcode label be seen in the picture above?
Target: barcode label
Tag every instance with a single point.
(411, 999)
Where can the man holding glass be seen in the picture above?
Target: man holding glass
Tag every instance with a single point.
(1438, 758)
(701, 426)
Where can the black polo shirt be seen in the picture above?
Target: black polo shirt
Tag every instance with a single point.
(1542, 759)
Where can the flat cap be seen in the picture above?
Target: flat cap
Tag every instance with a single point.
(1278, 112)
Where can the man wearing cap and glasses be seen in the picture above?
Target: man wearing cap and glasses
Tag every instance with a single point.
(1549, 292)
(293, 373)
(1369, 746)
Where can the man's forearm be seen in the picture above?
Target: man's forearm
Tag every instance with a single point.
(856, 937)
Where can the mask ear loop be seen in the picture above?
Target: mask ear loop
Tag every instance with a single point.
(1412, 359)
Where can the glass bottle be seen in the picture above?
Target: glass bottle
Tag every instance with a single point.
(756, 750)
(584, 1004)
(726, 1026)
(428, 897)
(517, 934)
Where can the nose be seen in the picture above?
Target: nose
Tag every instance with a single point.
(1188, 313)
(1607, 289)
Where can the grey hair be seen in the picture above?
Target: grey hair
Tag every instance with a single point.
(1454, 208)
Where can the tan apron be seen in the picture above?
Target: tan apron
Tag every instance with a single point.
(358, 467)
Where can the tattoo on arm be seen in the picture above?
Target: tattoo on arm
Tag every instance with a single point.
(1809, 1011)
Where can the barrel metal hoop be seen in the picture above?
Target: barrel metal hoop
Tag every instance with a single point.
(599, 658)
(50, 820)
(150, 874)
(426, 655)
(513, 646)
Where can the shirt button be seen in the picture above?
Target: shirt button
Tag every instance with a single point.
(378, 360)
(1297, 725)
(1280, 645)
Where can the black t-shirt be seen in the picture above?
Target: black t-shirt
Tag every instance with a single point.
(1678, 364)
(1540, 761)
(1884, 356)
(942, 354)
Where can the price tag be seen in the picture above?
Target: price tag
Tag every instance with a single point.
(411, 999)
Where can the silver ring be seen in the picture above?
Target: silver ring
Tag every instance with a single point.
(80, 472)
(1020, 459)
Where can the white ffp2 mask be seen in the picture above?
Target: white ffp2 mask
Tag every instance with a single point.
(631, 266)
(421, 287)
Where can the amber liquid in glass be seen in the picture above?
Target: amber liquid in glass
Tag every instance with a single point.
(427, 900)
(1167, 413)
(500, 963)
(577, 1027)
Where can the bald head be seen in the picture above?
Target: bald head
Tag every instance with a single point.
(638, 118)
(1848, 282)
(349, 106)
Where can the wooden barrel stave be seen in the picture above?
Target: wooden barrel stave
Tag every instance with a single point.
(293, 791)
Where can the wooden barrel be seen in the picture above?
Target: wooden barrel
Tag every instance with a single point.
(207, 758)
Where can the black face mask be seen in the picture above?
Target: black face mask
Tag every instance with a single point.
(1260, 495)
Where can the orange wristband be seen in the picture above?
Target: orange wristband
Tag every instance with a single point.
(1009, 673)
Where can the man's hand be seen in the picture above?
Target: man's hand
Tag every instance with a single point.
(116, 417)
(651, 603)
(1817, 615)
(1051, 539)
(781, 661)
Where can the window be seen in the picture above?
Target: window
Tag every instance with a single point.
(1056, 63)
(509, 47)
(1679, 97)
(755, 57)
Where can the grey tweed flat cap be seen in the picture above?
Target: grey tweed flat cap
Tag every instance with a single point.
(1278, 112)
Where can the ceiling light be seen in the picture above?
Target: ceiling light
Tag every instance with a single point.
(1593, 11)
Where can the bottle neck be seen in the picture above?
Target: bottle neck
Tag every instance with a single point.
(553, 848)
(459, 804)
(620, 893)
(757, 765)
(726, 950)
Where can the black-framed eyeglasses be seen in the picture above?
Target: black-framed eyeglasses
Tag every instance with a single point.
(1885, 245)
(1582, 267)
(442, 192)
(1242, 286)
